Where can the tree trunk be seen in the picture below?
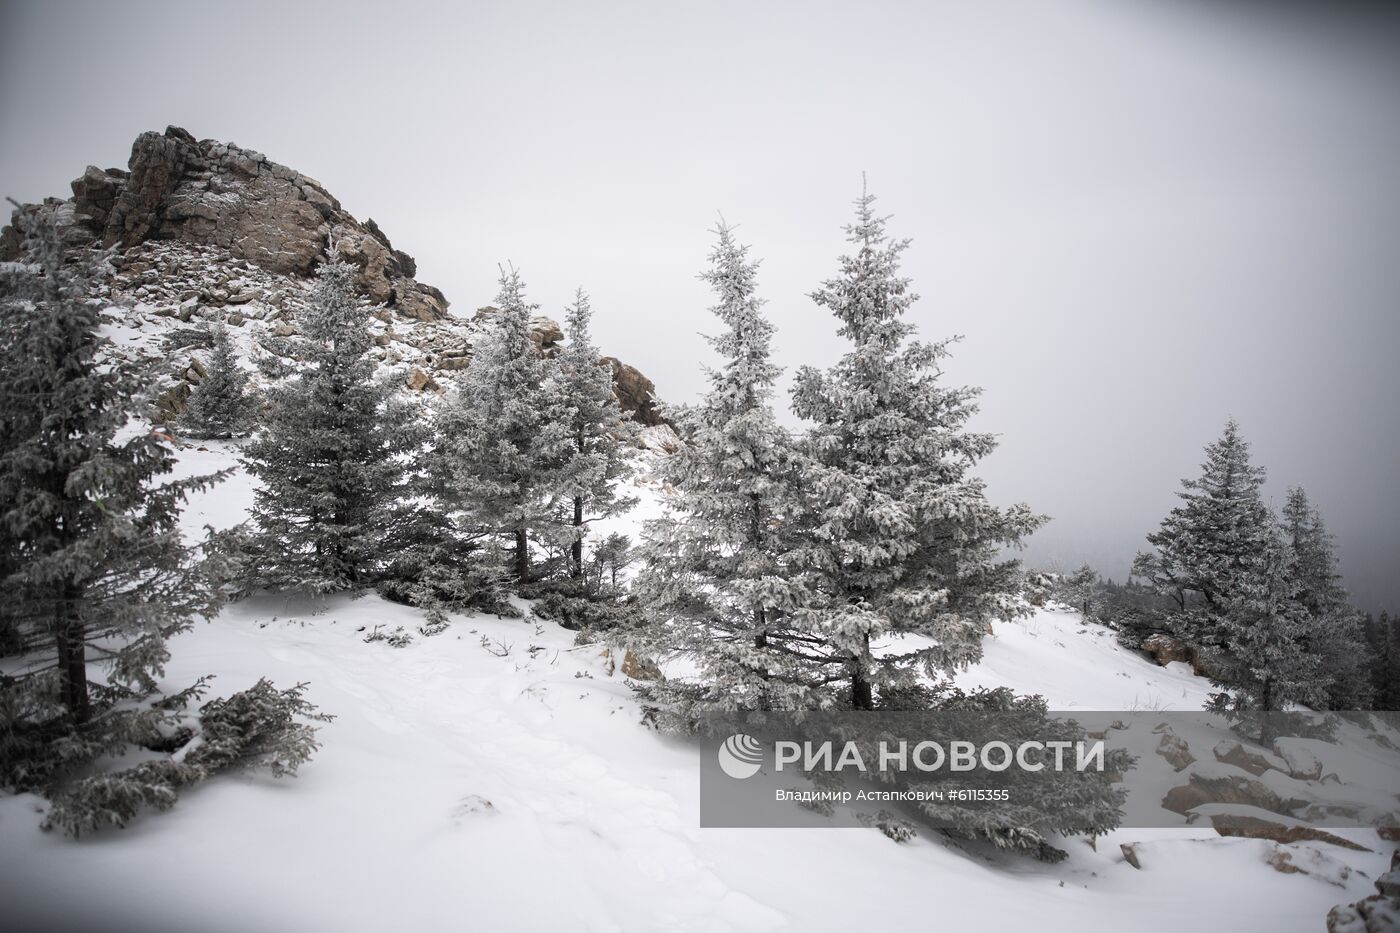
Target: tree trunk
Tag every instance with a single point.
(576, 549)
(862, 695)
(760, 622)
(522, 556)
(72, 659)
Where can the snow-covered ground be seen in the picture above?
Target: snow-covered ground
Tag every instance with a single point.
(496, 777)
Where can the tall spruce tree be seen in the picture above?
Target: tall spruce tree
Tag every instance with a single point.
(95, 571)
(1080, 589)
(330, 454)
(219, 405)
(902, 538)
(599, 435)
(1383, 640)
(1390, 682)
(720, 582)
(502, 437)
(1263, 628)
(1336, 632)
(1213, 544)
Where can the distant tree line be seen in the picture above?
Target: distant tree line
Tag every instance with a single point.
(1255, 597)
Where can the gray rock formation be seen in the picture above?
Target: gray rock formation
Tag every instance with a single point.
(203, 230)
(208, 193)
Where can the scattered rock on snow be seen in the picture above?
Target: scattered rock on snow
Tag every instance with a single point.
(1253, 827)
(1389, 883)
(1175, 750)
(1374, 914)
(1298, 760)
(1379, 913)
(1231, 752)
(1233, 788)
(1310, 861)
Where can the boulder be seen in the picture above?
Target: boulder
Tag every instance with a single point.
(1232, 788)
(544, 331)
(638, 667)
(95, 194)
(546, 334)
(1375, 914)
(1298, 760)
(368, 253)
(1165, 649)
(635, 392)
(416, 300)
(1253, 827)
(419, 381)
(1175, 750)
(1310, 861)
(1255, 762)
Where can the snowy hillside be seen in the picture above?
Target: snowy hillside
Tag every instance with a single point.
(496, 777)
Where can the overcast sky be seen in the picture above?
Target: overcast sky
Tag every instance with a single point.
(1144, 217)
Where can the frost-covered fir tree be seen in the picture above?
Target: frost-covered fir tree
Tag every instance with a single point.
(1337, 634)
(1214, 543)
(599, 435)
(1383, 636)
(1263, 628)
(502, 438)
(613, 555)
(902, 538)
(719, 583)
(1080, 589)
(330, 453)
(220, 404)
(96, 574)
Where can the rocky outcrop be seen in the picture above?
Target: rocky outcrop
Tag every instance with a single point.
(213, 194)
(205, 231)
(635, 392)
